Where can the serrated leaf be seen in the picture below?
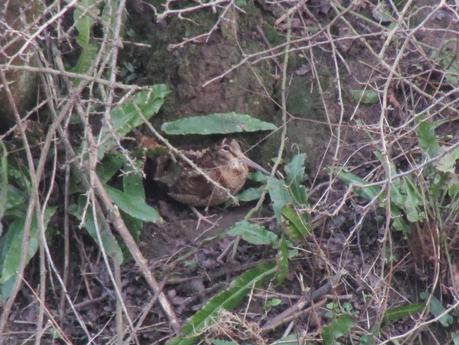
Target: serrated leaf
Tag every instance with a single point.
(412, 201)
(279, 194)
(125, 117)
(297, 226)
(109, 241)
(367, 96)
(401, 225)
(368, 193)
(250, 194)
(400, 312)
(252, 233)
(11, 244)
(258, 176)
(295, 169)
(273, 302)
(447, 163)
(337, 328)
(227, 300)
(295, 174)
(223, 123)
(133, 205)
(427, 138)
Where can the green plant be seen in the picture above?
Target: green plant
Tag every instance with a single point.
(336, 329)
(289, 199)
(429, 198)
(16, 187)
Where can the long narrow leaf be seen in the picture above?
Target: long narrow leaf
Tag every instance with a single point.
(227, 300)
(297, 226)
(368, 193)
(280, 196)
(134, 205)
(253, 233)
(109, 241)
(216, 124)
(11, 245)
(397, 313)
(3, 182)
(125, 117)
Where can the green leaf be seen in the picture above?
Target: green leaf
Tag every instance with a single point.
(455, 337)
(367, 97)
(250, 194)
(400, 312)
(427, 138)
(15, 198)
(83, 17)
(412, 202)
(134, 225)
(258, 176)
(382, 13)
(370, 339)
(453, 188)
(3, 183)
(368, 193)
(125, 117)
(216, 124)
(227, 300)
(291, 339)
(401, 225)
(109, 241)
(253, 233)
(279, 195)
(11, 244)
(133, 185)
(446, 58)
(19, 176)
(436, 308)
(134, 205)
(85, 60)
(295, 169)
(447, 163)
(298, 227)
(295, 175)
(337, 328)
(282, 262)
(108, 167)
(273, 302)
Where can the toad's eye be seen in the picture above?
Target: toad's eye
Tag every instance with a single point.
(226, 148)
